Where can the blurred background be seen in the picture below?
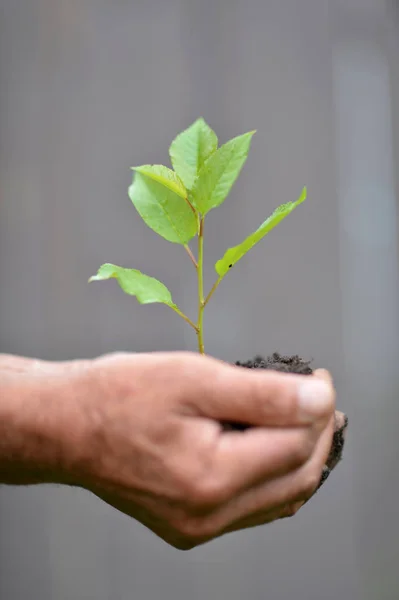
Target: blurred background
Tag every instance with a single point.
(89, 88)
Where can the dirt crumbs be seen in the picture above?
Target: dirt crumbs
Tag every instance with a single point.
(277, 362)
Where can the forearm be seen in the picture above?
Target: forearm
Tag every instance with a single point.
(39, 427)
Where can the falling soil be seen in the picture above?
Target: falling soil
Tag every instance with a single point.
(296, 364)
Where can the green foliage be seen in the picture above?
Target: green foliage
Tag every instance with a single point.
(162, 208)
(174, 203)
(233, 255)
(146, 289)
(219, 173)
(190, 149)
(165, 176)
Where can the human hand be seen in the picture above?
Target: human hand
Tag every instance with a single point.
(152, 442)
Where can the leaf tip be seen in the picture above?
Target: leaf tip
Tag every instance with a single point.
(200, 121)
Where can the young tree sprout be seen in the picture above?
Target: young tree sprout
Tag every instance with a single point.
(175, 204)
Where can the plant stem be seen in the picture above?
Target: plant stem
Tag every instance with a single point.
(201, 303)
(190, 205)
(191, 255)
(214, 287)
(183, 316)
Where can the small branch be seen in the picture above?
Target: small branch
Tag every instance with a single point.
(191, 255)
(201, 305)
(214, 287)
(190, 205)
(183, 316)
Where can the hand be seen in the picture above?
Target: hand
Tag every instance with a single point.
(149, 440)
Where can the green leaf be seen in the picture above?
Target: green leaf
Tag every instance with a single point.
(163, 175)
(146, 289)
(219, 173)
(233, 255)
(162, 209)
(190, 149)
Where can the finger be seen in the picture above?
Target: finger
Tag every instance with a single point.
(264, 517)
(289, 489)
(244, 460)
(341, 424)
(337, 447)
(234, 394)
(324, 375)
(341, 421)
(257, 519)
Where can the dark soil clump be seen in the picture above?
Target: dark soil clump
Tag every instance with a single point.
(276, 362)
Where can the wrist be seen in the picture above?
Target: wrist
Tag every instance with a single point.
(42, 424)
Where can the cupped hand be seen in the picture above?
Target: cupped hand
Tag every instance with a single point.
(155, 446)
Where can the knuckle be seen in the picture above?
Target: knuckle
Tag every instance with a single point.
(191, 368)
(205, 492)
(193, 531)
(199, 487)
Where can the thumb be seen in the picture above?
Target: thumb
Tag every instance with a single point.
(324, 375)
(264, 398)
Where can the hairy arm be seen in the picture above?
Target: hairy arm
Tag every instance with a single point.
(40, 420)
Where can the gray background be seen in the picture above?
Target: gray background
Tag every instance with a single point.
(89, 88)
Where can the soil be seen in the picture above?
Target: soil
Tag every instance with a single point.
(296, 364)
(277, 362)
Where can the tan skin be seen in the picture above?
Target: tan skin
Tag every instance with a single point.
(144, 433)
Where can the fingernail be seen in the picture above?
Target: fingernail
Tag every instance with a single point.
(323, 374)
(314, 396)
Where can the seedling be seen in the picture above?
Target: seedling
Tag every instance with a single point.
(175, 204)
